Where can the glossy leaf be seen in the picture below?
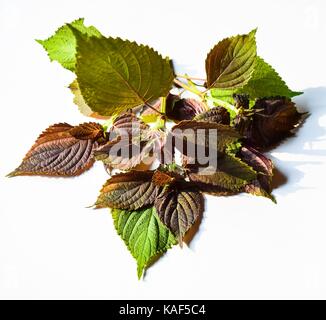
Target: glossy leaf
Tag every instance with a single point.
(200, 133)
(231, 62)
(61, 150)
(115, 75)
(266, 82)
(61, 46)
(128, 123)
(87, 131)
(273, 121)
(231, 174)
(131, 191)
(179, 208)
(144, 235)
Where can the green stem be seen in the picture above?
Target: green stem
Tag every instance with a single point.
(224, 104)
(190, 89)
(185, 76)
(160, 122)
(163, 105)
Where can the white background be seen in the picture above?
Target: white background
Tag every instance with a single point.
(52, 246)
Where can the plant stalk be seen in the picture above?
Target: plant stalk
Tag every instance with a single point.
(190, 89)
(188, 77)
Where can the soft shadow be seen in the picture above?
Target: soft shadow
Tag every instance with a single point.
(301, 146)
(187, 240)
(279, 178)
(311, 132)
(307, 144)
(193, 231)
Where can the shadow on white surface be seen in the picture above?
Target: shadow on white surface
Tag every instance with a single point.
(307, 147)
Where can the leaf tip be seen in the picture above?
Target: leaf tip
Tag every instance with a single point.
(12, 174)
(97, 205)
(253, 31)
(273, 199)
(297, 93)
(41, 42)
(140, 271)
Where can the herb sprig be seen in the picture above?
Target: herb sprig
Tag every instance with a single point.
(164, 151)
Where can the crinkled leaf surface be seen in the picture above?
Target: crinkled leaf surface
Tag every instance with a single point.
(144, 234)
(264, 82)
(179, 208)
(176, 108)
(185, 109)
(61, 46)
(231, 174)
(131, 143)
(125, 153)
(164, 179)
(201, 133)
(261, 186)
(87, 131)
(273, 122)
(231, 62)
(115, 75)
(131, 191)
(61, 150)
(215, 115)
(128, 123)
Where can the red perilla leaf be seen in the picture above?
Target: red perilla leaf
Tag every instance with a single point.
(201, 133)
(185, 109)
(61, 150)
(163, 179)
(230, 64)
(272, 122)
(179, 208)
(215, 115)
(124, 152)
(131, 142)
(229, 174)
(128, 123)
(134, 189)
(177, 202)
(131, 191)
(177, 108)
(87, 131)
(261, 186)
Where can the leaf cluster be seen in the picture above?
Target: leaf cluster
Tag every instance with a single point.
(164, 150)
